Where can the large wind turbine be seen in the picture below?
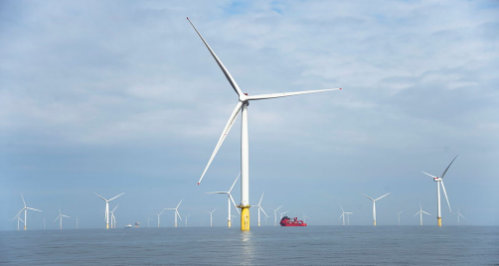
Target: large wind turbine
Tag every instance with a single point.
(177, 214)
(59, 217)
(260, 208)
(229, 200)
(106, 212)
(440, 182)
(374, 205)
(420, 213)
(25, 209)
(242, 106)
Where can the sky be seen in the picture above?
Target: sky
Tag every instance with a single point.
(121, 96)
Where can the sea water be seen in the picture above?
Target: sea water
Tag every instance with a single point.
(312, 245)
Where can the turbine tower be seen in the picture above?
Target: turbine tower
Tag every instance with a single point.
(25, 209)
(159, 214)
(59, 217)
(242, 106)
(177, 214)
(275, 214)
(106, 212)
(229, 200)
(420, 213)
(260, 208)
(440, 183)
(374, 205)
(398, 216)
(211, 217)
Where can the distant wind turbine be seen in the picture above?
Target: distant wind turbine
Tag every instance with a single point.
(398, 215)
(60, 217)
(159, 214)
(344, 215)
(229, 200)
(459, 216)
(106, 212)
(19, 219)
(113, 218)
(242, 106)
(420, 213)
(211, 217)
(25, 210)
(177, 214)
(440, 183)
(374, 204)
(275, 214)
(260, 208)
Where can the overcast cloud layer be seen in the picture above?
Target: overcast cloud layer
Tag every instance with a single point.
(121, 96)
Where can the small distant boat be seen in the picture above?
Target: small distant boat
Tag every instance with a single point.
(286, 221)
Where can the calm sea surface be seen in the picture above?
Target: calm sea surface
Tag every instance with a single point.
(313, 245)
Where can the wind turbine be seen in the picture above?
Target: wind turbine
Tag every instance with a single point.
(421, 212)
(229, 200)
(398, 215)
(459, 216)
(440, 182)
(106, 212)
(159, 214)
(25, 209)
(211, 217)
(59, 217)
(275, 214)
(113, 218)
(260, 208)
(345, 214)
(242, 106)
(374, 205)
(176, 212)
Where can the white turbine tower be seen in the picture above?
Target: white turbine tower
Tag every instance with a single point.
(177, 214)
(398, 216)
(159, 214)
(106, 212)
(242, 106)
(25, 209)
(374, 205)
(275, 214)
(60, 217)
(260, 208)
(211, 217)
(229, 200)
(440, 183)
(113, 218)
(420, 213)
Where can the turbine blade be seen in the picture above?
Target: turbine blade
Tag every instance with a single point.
(285, 94)
(383, 196)
(427, 213)
(372, 199)
(19, 213)
(260, 201)
(217, 192)
(115, 207)
(225, 132)
(117, 196)
(100, 196)
(445, 194)
(234, 183)
(445, 172)
(56, 218)
(24, 202)
(220, 64)
(264, 212)
(234, 203)
(180, 202)
(33, 209)
(430, 175)
(178, 214)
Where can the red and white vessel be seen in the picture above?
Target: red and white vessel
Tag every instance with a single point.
(286, 221)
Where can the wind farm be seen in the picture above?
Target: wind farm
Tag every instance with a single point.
(104, 98)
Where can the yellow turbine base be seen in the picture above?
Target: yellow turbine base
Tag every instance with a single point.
(439, 221)
(374, 223)
(245, 218)
(229, 224)
(107, 226)
(25, 228)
